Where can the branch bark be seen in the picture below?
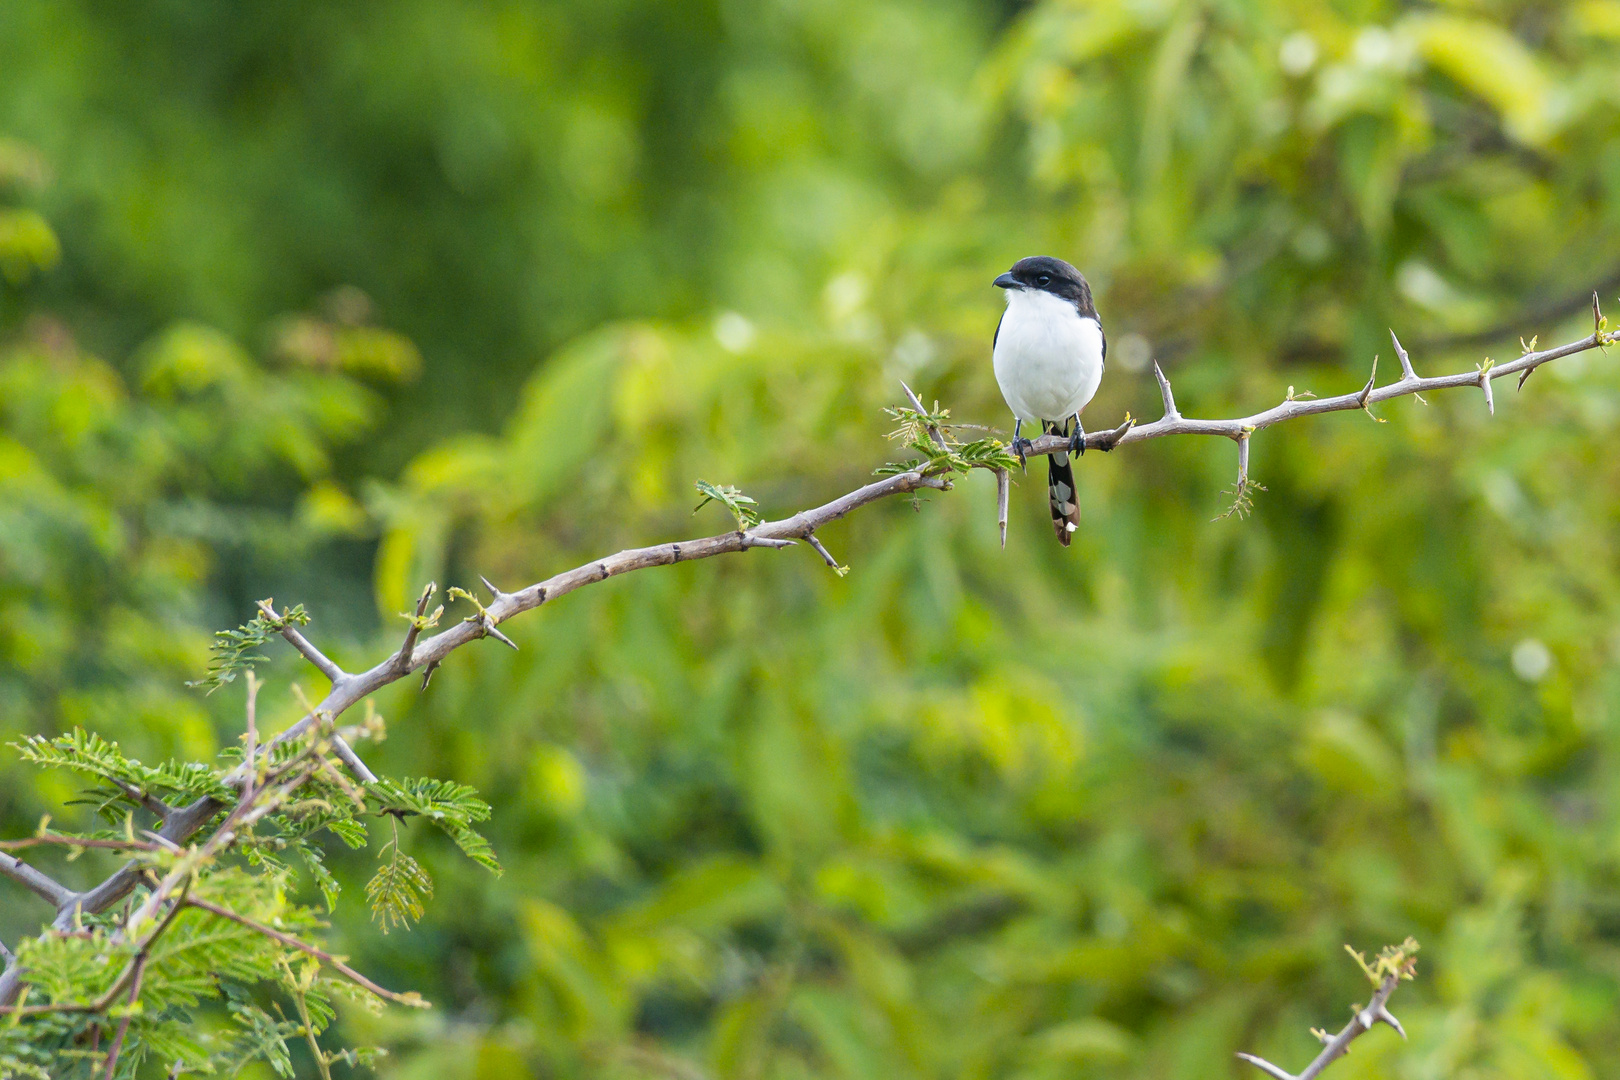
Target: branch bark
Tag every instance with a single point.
(43, 885)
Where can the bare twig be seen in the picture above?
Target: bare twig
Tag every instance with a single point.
(933, 431)
(821, 550)
(402, 659)
(1242, 501)
(80, 842)
(751, 540)
(301, 643)
(123, 1024)
(334, 962)
(340, 745)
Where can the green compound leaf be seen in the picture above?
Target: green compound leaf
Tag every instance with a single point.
(397, 892)
(233, 649)
(90, 755)
(451, 807)
(743, 508)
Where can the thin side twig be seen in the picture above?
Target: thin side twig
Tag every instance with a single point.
(402, 659)
(933, 432)
(298, 641)
(123, 1024)
(339, 745)
(79, 842)
(821, 550)
(335, 963)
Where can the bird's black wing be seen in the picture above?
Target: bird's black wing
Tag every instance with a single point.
(1104, 335)
(997, 336)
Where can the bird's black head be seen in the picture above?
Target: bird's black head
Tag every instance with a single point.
(1046, 274)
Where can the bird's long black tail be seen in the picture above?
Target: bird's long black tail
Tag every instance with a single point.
(1060, 489)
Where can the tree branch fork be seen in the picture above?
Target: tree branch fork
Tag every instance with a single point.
(180, 824)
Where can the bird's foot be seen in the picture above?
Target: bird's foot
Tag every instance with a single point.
(1020, 449)
(1077, 440)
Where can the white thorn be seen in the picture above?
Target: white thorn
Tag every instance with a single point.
(1382, 1015)
(1266, 1067)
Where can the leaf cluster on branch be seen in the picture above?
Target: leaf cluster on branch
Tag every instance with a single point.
(111, 985)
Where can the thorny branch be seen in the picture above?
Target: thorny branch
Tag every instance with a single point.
(1239, 429)
(1393, 965)
(180, 824)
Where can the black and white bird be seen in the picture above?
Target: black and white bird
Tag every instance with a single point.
(1048, 355)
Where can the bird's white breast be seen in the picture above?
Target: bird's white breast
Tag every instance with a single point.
(1048, 357)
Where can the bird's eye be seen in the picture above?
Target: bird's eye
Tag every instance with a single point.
(1045, 279)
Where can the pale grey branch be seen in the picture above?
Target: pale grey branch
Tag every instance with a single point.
(43, 885)
(402, 659)
(186, 821)
(1170, 410)
(822, 551)
(1363, 1021)
(1266, 1067)
(301, 643)
(933, 432)
(346, 754)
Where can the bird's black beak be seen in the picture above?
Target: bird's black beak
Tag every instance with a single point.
(1007, 281)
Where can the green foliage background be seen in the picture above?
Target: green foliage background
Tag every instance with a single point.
(324, 301)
